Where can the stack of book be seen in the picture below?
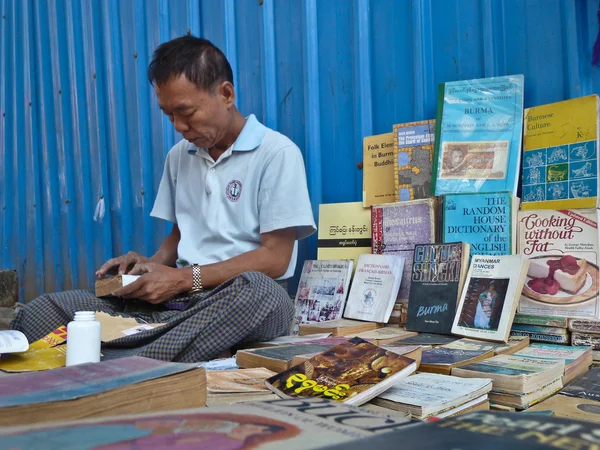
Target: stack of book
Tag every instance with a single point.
(518, 382)
(226, 387)
(577, 360)
(541, 328)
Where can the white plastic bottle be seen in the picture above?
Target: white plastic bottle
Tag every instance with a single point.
(83, 338)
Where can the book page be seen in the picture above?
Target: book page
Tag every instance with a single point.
(12, 341)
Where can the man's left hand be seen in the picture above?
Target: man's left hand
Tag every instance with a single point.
(157, 284)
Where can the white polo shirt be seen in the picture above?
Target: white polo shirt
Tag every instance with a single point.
(257, 186)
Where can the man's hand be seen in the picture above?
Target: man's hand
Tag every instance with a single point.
(123, 264)
(157, 284)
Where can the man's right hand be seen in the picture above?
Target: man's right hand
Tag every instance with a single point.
(122, 264)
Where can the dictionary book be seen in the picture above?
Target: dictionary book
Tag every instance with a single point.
(560, 155)
(378, 169)
(438, 274)
(412, 162)
(375, 288)
(488, 222)
(344, 231)
(398, 227)
(490, 296)
(479, 126)
(563, 248)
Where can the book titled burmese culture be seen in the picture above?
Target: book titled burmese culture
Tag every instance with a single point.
(352, 372)
(479, 126)
(562, 246)
(438, 273)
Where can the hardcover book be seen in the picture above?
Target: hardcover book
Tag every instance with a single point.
(353, 372)
(488, 222)
(490, 297)
(274, 424)
(560, 155)
(344, 231)
(443, 360)
(412, 162)
(479, 127)
(398, 227)
(438, 273)
(375, 288)
(563, 248)
(378, 169)
(322, 290)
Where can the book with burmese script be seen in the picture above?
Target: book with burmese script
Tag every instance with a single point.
(353, 372)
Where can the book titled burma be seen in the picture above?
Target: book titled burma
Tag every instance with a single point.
(438, 273)
(479, 126)
(489, 299)
(378, 169)
(563, 247)
(344, 231)
(412, 162)
(560, 155)
(488, 222)
(398, 227)
(322, 290)
(353, 372)
(375, 288)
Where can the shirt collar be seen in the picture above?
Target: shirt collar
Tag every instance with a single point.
(249, 138)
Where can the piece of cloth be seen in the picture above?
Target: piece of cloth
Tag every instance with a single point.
(249, 307)
(221, 208)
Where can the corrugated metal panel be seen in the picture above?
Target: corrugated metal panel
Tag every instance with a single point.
(79, 122)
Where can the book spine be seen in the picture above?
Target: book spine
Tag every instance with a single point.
(396, 167)
(587, 339)
(377, 230)
(545, 321)
(438, 135)
(585, 326)
(541, 337)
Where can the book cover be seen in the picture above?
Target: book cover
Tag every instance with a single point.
(12, 341)
(560, 155)
(322, 290)
(378, 169)
(353, 372)
(446, 358)
(479, 127)
(344, 231)
(586, 386)
(490, 297)
(438, 273)
(552, 351)
(413, 144)
(398, 227)
(487, 222)
(563, 248)
(272, 424)
(375, 288)
(511, 366)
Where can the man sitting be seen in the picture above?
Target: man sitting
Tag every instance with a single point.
(236, 194)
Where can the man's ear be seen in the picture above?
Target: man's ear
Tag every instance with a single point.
(227, 93)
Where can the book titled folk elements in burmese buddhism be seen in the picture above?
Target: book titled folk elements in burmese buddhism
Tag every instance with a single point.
(478, 136)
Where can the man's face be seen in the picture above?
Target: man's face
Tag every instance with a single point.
(457, 158)
(200, 116)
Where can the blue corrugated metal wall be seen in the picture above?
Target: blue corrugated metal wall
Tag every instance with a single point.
(79, 122)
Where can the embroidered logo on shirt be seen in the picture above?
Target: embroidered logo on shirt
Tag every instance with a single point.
(234, 190)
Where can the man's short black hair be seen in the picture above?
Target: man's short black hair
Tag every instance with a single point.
(198, 59)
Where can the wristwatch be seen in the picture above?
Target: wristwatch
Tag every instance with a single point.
(196, 279)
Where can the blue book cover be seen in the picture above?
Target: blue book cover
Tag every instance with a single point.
(478, 135)
(484, 221)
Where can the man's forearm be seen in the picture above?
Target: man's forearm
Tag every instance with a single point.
(167, 253)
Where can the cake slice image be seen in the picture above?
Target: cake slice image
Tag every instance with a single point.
(548, 276)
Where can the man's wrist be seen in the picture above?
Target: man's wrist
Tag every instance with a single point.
(186, 281)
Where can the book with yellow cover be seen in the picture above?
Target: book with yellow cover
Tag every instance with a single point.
(413, 147)
(378, 169)
(560, 155)
(344, 231)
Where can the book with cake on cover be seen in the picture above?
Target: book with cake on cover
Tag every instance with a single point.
(429, 394)
(322, 290)
(443, 360)
(273, 424)
(378, 169)
(353, 373)
(563, 247)
(488, 222)
(560, 155)
(478, 135)
(490, 297)
(438, 274)
(412, 162)
(344, 231)
(375, 288)
(398, 227)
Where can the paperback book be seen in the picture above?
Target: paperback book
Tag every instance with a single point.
(490, 297)
(443, 360)
(378, 169)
